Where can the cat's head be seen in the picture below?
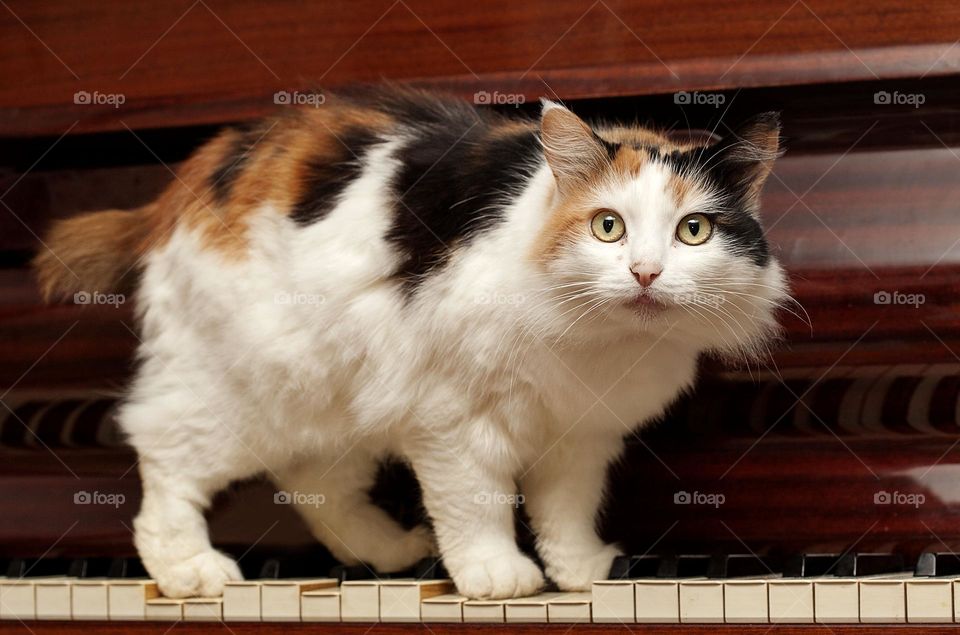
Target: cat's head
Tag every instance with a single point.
(648, 234)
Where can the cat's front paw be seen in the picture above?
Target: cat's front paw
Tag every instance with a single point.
(578, 573)
(203, 575)
(494, 577)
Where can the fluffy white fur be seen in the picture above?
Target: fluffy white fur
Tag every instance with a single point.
(501, 375)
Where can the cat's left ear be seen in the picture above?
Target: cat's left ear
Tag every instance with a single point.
(573, 151)
(742, 160)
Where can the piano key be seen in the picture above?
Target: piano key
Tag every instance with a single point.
(127, 599)
(745, 601)
(929, 600)
(53, 599)
(836, 600)
(685, 566)
(811, 565)
(531, 609)
(242, 601)
(631, 567)
(88, 600)
(701, 601)
(883, 599)
(613, 602)
(360, 601)
(164, 610)
(430, 569)
(203, 610)
(790, 601)
(322, 605)
(127, 568)
(869, 564)
(657, 601)
(400, 600)
(484, 611)
(570, 608)
(931, 564)
(280, 599)
(17, 599)
(447, 608)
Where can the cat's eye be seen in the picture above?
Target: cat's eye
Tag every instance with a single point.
(608, 226)
(694, 229)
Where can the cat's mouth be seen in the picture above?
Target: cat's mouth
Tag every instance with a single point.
(646, 303)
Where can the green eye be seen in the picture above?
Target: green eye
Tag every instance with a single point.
(608, 226)
(694, 229)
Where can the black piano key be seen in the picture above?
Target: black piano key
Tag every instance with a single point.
(864, 564)
(932, 564)
(740, 565)
(350, 572)
(633, 567)
(684, 566)
(811, 565)
(90, 567)
(127, 568)
(430, 569)
(38, 567)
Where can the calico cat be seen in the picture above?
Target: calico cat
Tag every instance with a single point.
(497, 301)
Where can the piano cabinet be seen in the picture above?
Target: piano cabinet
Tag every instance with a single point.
(846, 440)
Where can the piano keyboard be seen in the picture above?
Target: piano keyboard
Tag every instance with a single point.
(817, 588)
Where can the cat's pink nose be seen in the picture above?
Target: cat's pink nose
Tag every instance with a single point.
(646, 274)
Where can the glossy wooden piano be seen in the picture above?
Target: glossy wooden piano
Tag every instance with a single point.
(816, 492)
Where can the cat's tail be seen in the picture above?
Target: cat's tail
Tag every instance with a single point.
(91, 253)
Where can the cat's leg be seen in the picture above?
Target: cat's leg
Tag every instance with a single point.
(562, 494)
(185, 457)
(469, 491)
(332, 497)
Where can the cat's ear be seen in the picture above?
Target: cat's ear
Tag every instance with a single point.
(573, 151)
(742, 160)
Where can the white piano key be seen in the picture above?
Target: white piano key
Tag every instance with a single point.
(790, 601)
(447, 608)
(657, 601)
(570, 608)
(17, 601)
(320, 606)
(484, 611)
(127, 599)
(701, 601)
(836, 600)
(241, 601)
(280, 599)
(929, 600)
(528, 610)
(883, 600)
(400, 599)
(613, 602)
(52, 599)
(360, 601)
(163, 610)
(203, 610)
(745, 601)
(88, 600)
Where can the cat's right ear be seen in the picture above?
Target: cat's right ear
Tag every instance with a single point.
(573, 151)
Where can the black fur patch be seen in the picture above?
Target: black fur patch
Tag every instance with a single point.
(455, 176)
(223, 178)
(325, 180)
